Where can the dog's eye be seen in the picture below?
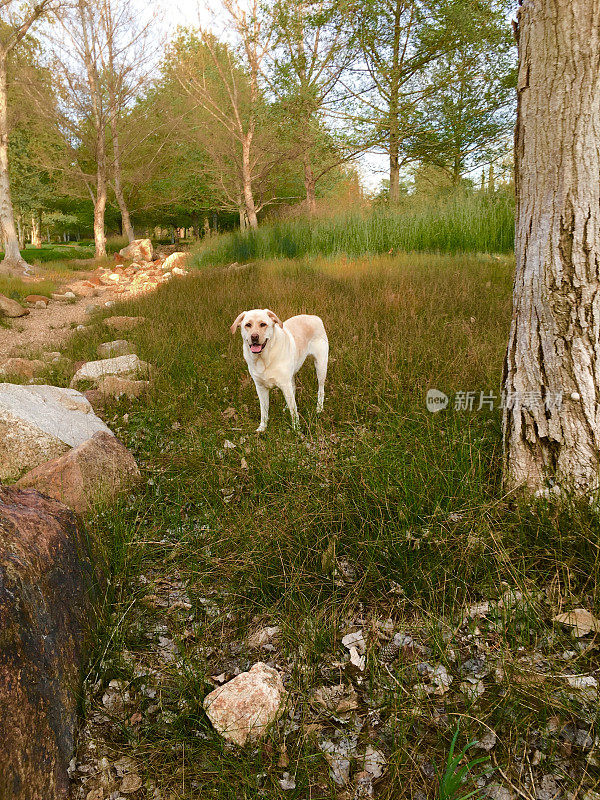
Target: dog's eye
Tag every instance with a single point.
(248, 325)
(263, 324)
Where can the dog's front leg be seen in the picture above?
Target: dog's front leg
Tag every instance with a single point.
(263, 398)
(289, 392)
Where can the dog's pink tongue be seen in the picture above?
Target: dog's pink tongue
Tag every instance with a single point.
(256, 348)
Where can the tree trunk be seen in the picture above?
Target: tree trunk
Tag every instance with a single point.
(12, 256)
(126, 225)
(554, 343)
(247, 182)
(394, 110)
(394, 173)
(100, 200)
(310, 185)
(36, 237)
(20, 232)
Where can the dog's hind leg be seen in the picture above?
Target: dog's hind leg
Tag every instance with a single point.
(320, 351)
(289, 392)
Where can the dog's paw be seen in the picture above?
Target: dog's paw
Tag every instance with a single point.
(319, 408)
(261, 428)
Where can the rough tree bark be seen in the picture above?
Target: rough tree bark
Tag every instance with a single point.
(554, 342)
(12, 256)
(310, 185)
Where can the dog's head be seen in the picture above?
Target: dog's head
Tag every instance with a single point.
(257, 328)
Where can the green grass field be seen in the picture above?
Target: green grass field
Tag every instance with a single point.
(378, 516)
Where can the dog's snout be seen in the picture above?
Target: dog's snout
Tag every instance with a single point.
(254, 337)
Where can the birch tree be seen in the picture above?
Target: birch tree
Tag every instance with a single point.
(554, 345)
(227, 87)
(16, 19)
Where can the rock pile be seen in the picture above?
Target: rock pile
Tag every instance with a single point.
(136, 271)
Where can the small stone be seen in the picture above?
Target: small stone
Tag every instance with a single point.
(123, 366)
(36, 299)
(287, 782)
(120, 347)
(581, 620)
(375, 762)
(355, 640)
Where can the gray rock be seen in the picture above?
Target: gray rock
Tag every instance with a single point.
(39, 423)
(120, 347)
(124, 366)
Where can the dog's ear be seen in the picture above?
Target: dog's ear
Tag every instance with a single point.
(274, 317)
(237, 322)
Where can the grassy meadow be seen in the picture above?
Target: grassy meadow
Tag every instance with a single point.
(377, 515)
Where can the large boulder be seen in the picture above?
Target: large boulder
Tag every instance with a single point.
(45, 577)
(138, 250)
(123, 366)
(10, 308)
(95, 472)
(39, 423)
(242, 709)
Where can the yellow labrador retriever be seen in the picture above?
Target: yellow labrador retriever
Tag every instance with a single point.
(275, 351)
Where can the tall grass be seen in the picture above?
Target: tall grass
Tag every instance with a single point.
(476, 223)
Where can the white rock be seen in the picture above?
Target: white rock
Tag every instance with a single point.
(242, 709)
(175, 262)
(39, 423)
(138, 250)
(357, 660)
(121, 365)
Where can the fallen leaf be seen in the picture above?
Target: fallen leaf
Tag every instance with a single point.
(355, 640)
(581, 620)
(131, 783)
(287, 781)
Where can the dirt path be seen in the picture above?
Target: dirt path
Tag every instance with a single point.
(45, 328)
(48, 328)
